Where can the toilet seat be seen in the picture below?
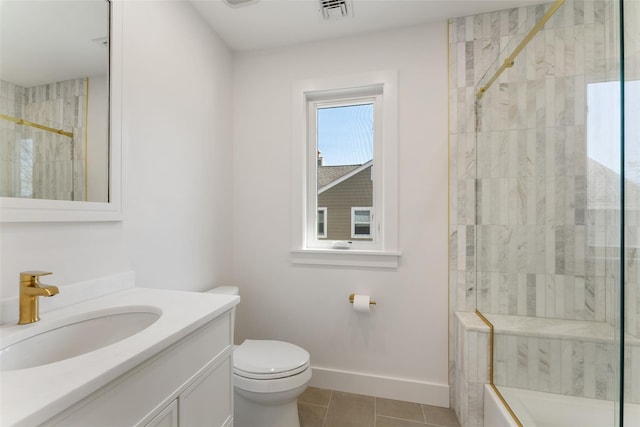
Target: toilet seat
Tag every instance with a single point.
(269, 359)
(273, 386)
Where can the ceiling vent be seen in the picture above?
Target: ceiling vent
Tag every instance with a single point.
(336, 9)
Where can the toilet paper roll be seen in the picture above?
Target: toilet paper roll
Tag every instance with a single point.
(361, 303)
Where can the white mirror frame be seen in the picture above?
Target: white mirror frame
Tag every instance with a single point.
(38, 210)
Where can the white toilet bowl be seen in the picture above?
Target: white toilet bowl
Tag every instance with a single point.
(268, 377)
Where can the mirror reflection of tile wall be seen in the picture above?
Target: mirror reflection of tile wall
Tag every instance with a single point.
(41, 164)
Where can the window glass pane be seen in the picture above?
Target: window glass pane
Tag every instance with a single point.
(362, 229)
(345, 161)
(321, 222)
(361, 216)
(345, 134)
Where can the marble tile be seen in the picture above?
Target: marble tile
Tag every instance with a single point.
(544, 365)
(604, 369)
(469, 64)
(471, 357)
(540, 289)
(589, 382)
(532, 356)
(522, 362)
(555, 364)
(634, 376)
(475, 410)
(578, 12)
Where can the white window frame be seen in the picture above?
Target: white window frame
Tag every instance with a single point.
(305, 247)
(371, 223)
(324, 215)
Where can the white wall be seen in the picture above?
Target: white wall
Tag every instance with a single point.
(179, 191)
(405, 338)
(176, 233)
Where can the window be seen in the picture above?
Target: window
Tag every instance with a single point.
(345, 161)
(361, 219)
(322, 223)
(344, 135)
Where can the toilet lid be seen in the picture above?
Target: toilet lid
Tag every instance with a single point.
(268, 359)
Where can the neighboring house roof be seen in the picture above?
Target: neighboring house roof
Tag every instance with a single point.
(603, 186)
(330, 176)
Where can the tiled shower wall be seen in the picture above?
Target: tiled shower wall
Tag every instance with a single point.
(567, 366)
(58, 168)
(471, 336)
(547, 212)
(546, 227)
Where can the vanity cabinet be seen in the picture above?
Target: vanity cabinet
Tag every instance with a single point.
(187, 384)
(168, 417)
(205, 399)
(206, 402)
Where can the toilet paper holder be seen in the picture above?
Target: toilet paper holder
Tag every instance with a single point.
(352, 296)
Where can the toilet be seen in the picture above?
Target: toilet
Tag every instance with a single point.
(268, 377)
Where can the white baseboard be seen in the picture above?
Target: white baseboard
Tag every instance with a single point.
(379, 386)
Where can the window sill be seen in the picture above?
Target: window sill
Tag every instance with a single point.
(346, 258)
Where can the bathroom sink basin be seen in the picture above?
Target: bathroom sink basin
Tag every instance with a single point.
(82, 334)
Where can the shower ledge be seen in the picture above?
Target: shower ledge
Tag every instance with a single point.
(581, 330)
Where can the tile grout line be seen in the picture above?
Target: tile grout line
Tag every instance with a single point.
(375, 411)
(405, 419)
(375, 408)
(426, 421)
(313, 404)
(326, 414)
(424, 415)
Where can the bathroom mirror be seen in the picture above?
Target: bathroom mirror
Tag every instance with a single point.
(61, 121)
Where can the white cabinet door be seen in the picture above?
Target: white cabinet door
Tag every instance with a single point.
(167, 418)
(208, 401)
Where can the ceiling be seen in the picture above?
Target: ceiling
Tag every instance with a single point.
(45, 41)
(67, 44)
(264, 24)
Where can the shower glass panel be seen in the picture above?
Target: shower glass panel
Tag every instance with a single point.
(41, 162)
(630, 17)
(550, 207)
(43, 139)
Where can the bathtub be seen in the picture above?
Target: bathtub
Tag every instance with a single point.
(537, 409)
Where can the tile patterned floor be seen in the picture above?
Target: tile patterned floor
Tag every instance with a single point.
(319, 407)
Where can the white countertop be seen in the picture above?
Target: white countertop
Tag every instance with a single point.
(31, 396)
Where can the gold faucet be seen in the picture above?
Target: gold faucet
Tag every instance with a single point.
(30, 290)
